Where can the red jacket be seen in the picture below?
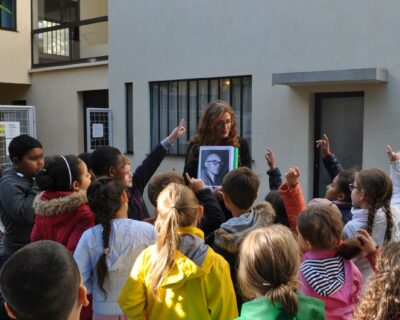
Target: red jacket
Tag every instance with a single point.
(293, 201)
(61, 217)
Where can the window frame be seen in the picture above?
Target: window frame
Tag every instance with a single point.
(188, 106)
(14, 5)
(65, 25)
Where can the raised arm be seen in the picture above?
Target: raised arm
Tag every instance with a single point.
(145, 171)
(274, 174)
(213, 215)
(292, 196)
(331, 163)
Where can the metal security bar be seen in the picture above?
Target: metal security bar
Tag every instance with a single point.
(98, 128)
(14, 120)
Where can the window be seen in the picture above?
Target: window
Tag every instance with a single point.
(69, 31)
(173, 100)
(8, 14)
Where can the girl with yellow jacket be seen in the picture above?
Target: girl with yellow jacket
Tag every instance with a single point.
(179, 277)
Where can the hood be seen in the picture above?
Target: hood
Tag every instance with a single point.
(55, 203)
(231, 234)
(325, 276)
(193, 259)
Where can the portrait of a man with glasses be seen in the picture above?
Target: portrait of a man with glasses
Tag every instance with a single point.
(214, 168)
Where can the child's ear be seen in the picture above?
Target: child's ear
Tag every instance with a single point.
(111, 172)
(16, 161)
(200, 213)
(9, 312)
(82, 296)
(341, 196)
(75, 186)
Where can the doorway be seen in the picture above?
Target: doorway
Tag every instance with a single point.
(340, 116)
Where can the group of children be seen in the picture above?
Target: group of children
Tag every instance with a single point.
(92, 236)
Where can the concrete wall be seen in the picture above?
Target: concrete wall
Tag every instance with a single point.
(15, 48)
(178, 39)
(59, 108)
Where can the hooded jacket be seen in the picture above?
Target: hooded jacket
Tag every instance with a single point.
(263, 309)
(61, 217)
(229, 236)
(198, 286)
(334, 280)
(128, 238)
(17, 193)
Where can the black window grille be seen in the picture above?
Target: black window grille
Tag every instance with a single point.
(173, 100)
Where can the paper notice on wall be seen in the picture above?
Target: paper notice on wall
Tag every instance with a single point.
(9, 129)
(98, 130)
(12, 130)
(2, 129)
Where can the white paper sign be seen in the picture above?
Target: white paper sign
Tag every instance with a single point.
(9, 129)
(12, 130)
(98, 130)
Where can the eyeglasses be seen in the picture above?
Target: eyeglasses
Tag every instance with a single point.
(352, 187)
(221, 124)
(216, 162)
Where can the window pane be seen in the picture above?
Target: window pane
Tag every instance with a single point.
(163, 110)
(173, 111)
(235, 101)
(154, 114)
(203, 95)
(246, 132)
(214, 90)
(182, 113)
(193, 108)
(7, 14)
(225, 86)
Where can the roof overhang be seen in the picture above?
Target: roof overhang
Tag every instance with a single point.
(347, 76)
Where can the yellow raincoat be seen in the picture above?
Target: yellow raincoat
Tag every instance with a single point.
(188, 291)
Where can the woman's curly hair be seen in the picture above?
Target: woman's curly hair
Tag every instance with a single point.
(382, 297)
(212, 113)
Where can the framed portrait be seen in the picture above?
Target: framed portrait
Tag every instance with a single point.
(214, 163)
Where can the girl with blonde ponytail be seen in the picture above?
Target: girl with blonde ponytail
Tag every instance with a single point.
(179, 277)
(268, 274)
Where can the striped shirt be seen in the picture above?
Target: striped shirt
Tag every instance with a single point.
(325, 276)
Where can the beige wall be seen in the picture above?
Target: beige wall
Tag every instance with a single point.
(15, 48)
(59, 109)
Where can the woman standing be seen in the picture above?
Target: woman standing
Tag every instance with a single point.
(217, 127)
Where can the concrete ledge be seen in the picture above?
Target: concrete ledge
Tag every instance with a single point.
(366, 75)
(70, 66)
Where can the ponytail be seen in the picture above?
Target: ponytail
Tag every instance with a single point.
(389, 220)
(177, 206)
(167, 245)
(104, 198)
(286, 294)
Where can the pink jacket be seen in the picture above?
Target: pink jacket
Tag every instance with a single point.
(341, 304)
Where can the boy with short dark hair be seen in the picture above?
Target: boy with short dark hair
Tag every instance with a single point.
(240, 188)
(17, 192)
(42, 281)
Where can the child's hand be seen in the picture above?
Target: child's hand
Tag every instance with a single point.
(292, 176)
(270, 157)
(195, 184)
(393, 156)
(324, 144)
(368, 244)
(177, 132)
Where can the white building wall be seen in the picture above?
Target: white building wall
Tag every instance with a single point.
(180, 39)
(56, 93)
